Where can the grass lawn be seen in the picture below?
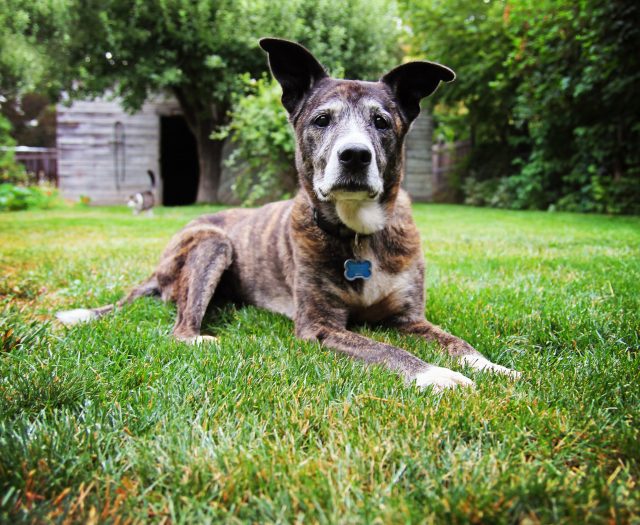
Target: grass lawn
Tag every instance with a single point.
(115, 421)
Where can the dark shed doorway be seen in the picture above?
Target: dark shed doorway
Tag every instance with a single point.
(178, 162)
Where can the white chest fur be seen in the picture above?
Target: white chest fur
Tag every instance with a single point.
(361, 216)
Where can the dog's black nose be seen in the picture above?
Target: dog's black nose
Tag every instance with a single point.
(354, 156)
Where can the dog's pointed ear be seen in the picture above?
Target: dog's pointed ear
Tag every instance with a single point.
(295, 68)
(413, 81)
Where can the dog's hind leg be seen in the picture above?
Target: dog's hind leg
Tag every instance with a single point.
(83, 315)
(189, 274)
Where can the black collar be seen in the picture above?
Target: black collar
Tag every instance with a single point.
(335, 230)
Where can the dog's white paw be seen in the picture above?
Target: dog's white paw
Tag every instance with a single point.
(198, 340)
(482, 363)
(80, 315)
(441, 378)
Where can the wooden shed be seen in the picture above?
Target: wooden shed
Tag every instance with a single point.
(419, 179)
(104, 153)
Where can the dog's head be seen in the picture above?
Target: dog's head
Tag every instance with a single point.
(350, 133)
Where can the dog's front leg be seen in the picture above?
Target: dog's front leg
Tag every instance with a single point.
(456, 347)
(335, 336)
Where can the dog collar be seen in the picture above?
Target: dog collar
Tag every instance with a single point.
(335, 230)
(353, 268)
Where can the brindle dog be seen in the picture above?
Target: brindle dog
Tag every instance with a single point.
(290, 257)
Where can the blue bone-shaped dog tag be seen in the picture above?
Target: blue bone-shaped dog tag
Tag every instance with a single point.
(357, 269)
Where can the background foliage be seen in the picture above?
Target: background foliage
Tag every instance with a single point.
(546, 92)
(203, 48)
(14, 197)
(262, 157)
(359, 40)
(9, 170)
(33, 41)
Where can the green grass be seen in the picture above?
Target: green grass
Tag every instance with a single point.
(114, 420)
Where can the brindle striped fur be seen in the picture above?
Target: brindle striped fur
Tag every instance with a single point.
(277, 257)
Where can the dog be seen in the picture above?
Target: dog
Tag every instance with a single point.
(345, 250)
(144, 200)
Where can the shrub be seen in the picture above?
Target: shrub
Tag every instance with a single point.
(10, 170)
(263, 144)
(496, 192)
(14, 198)
(603, 195)
(547, 94)
(505, 192)
(478, 193)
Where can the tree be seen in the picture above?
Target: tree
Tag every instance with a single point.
(197, 51)
(23, 67)
(32, 43)
(579, 72)
(469, 36)
(546, 91)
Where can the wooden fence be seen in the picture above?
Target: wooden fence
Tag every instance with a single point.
(446, 159)
(40, 163)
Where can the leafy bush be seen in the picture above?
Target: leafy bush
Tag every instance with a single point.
(14, 198)
(547, 94)
(264, 146)
(603, 195)
(357, 40)
(477, 193)
(497, 193)
(10, 170)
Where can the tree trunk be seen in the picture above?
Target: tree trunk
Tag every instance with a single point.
(202, 119)
(209, 161)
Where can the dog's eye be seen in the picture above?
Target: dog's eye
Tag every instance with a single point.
(322, 121)
(380, 122)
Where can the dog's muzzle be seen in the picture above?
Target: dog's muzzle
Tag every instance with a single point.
(351, 173)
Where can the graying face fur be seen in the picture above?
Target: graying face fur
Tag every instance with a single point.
(348, 157)
(349, 138)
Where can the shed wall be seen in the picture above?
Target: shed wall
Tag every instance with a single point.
(86, 144)
(418, 179)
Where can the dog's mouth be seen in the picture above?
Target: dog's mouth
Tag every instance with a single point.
(354, 191)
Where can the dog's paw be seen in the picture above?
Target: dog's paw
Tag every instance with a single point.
(80, 315)
(197, 340)
(441, 378)
(482, 363)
